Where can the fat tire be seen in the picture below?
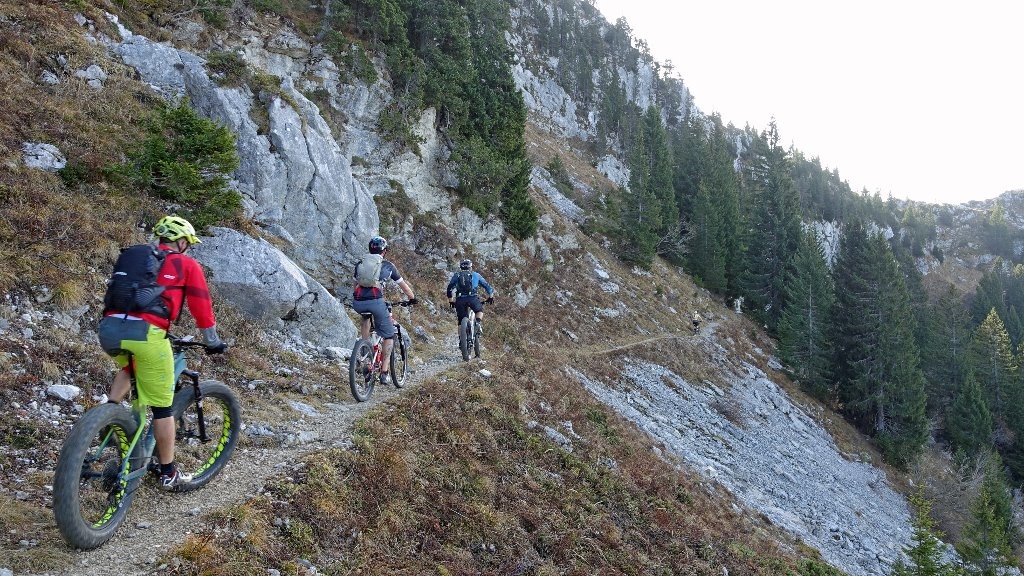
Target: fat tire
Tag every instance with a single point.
(399, 361)
(464, 338)
(222, 447)
(76, 530)
(361, 358)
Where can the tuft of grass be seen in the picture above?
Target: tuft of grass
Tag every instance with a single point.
(27, 521)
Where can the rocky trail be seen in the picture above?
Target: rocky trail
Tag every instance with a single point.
(158, 521)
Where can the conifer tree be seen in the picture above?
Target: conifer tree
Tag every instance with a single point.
(879, 379)
(650, 213)
(803, 330)
(901, 424)
(994, 366)
(775, 230)
(687, 141)
(944, 353)
(969, 423)
(985, 542)
(853, 334)
(926, 553)
(714, 223)
(706, 250)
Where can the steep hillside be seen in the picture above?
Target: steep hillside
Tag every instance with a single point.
(598, 434)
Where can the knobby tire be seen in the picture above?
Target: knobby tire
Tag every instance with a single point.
(89, 501)
(399, 360)
(360, 373)
(222, 416)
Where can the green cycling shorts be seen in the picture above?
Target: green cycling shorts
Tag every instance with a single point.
(150, 350)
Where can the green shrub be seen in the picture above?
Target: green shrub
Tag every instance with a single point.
(186, 158)
(231, 68)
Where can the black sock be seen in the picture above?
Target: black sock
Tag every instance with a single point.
(167, 469)
(112, 401)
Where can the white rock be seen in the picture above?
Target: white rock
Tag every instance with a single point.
(64, 391)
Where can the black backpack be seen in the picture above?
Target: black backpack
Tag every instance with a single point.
(132, 286)
(464, 285)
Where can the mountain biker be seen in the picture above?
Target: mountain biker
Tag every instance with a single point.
(462, 293)
(696, 321)
(371, 301)
(141, 337)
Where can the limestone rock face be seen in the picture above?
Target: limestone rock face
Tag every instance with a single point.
(273, 291)
(295, 180)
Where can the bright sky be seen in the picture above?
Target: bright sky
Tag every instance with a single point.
(923, 99)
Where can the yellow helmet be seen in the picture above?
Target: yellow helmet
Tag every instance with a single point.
(175, 227)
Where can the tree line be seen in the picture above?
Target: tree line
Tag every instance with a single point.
(737, 209)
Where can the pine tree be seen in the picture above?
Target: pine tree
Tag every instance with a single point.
(803, 330)
(944, 352)
(969, 423)
(879, 381)
(994, 365)
(927, 551)
(650, 209)
(985, 542)
(775, 230)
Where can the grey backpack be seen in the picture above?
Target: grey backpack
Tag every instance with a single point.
(368, 270)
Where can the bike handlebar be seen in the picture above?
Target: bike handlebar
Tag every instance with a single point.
(188, 342)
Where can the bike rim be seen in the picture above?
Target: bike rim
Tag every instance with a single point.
(192, 454)
(103, 483)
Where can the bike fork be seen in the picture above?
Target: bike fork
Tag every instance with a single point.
(198, 394)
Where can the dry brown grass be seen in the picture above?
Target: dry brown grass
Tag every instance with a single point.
(451, 478)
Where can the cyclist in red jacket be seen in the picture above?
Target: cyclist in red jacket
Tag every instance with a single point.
(142, 337)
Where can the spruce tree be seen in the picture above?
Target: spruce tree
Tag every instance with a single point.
(650, 215)
(926, 553)
(901, 424)
(714, 224)
(879, 380)
(775, 230)
(707, 255)
(944, 353)
(985, 542)
(969, 423)
(994, 366)
(853, 334)
(803, 330)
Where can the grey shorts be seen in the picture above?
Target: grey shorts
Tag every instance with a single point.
(381, 317)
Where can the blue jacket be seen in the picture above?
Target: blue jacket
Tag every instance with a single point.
(477, 281)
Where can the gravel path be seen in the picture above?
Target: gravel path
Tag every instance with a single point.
(157, 521)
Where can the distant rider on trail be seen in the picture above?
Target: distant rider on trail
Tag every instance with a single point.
(462, 293)
(368, 295)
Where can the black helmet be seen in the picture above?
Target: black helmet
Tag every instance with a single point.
(378, 245)
(466, 264)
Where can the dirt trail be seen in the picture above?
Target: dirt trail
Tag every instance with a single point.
(157, 521)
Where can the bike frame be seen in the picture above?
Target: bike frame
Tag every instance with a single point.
(377, 341)
(126, 474)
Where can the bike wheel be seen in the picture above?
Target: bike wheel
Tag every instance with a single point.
(399, 361)
(222, 421)
(464, 336)
(476, 339)
(90, 501)
(360, 370)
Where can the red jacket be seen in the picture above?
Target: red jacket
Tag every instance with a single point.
(185, 283)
